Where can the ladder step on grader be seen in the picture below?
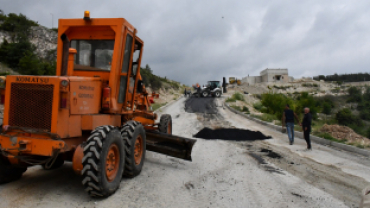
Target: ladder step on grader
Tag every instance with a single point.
(95, 112)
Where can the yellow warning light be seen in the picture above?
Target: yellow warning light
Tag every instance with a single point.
(87, 15)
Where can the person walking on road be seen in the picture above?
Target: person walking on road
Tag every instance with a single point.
(306, 126)
(288, 120)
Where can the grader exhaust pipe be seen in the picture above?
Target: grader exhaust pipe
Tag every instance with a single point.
(170, 145)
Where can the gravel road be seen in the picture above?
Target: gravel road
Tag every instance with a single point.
(268, 173)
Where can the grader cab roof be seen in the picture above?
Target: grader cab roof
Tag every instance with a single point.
(90, 29)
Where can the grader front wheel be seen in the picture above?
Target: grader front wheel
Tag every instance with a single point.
(8, 173)
(103, 161)
(165, 124)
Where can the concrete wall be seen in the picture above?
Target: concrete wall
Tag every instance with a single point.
(252, 80)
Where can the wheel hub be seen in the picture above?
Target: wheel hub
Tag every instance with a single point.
(138, 150)
(112, 162)
(169, 128)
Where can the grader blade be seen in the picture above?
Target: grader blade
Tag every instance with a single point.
(171, 145)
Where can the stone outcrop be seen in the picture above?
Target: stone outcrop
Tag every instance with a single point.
(43, 38)
(45, 41)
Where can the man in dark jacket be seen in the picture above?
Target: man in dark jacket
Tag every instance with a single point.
(306, 126)
(288, 120)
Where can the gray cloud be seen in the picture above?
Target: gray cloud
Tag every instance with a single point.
(189, 41)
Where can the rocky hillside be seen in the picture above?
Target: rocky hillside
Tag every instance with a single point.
(42, 37)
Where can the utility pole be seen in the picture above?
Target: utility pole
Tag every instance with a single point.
(52, 20)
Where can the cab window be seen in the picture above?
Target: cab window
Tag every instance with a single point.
(93, 55)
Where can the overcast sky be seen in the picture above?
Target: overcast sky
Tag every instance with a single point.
(198, 40)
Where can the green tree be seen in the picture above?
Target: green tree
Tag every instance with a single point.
(30, 64)
(19, 25)
(11, 53)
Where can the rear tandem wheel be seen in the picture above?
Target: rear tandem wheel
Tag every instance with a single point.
(134, 138)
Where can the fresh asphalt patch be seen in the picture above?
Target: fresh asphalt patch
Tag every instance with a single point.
(201, 105)
(230, 134)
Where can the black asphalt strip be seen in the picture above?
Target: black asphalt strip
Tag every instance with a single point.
(231, 134)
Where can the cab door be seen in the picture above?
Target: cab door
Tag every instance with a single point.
(130, 71)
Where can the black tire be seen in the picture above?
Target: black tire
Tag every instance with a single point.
(96, 149)
(165, 124)
(9, 173)
(59, 162)
(218, 94)
(204, 94)
(131, 131)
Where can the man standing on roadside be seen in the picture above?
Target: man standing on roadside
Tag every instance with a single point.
(306, 126)
(288, 119)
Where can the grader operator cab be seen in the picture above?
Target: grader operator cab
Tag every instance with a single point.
(94, 112)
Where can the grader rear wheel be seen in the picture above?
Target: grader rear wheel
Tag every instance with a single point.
(103, 161)
(134, 137)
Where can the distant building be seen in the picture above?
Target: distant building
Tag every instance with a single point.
(269, 75)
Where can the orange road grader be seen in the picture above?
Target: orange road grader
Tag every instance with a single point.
(95, 112)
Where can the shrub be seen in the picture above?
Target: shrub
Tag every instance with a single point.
(245, 109)
(236, 96)
(265, 117)
(355, 94)
(306, 100)
(258, 106)
(230, 99)
(345, 117)
(239, 96)
(326, 108)
(275, 103)
(329, 137)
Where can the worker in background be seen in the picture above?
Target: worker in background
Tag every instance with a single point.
(306, 126)
(288, 120)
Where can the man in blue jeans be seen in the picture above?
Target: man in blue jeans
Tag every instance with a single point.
(288, 119)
